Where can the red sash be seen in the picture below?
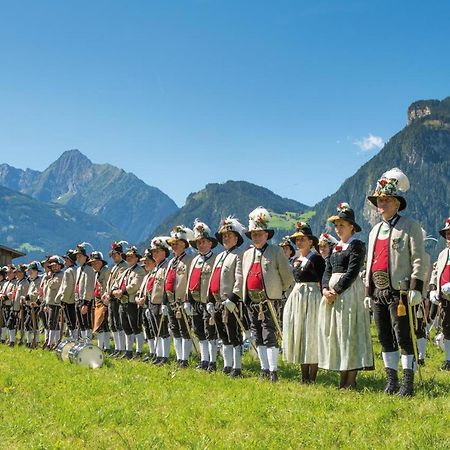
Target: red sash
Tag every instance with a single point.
(170, 280)
(380, 256)
(254, 278)
(194, 281)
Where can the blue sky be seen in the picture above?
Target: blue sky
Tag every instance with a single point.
(182, 93)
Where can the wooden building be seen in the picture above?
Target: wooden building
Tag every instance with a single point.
(8, 254)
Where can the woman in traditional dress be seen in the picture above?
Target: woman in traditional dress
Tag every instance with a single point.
(344, 327)
(326, 244)
(301, 309)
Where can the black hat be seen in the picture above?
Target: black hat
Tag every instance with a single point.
(445, 229)
(21, 268)
(147, 256)
(133, 251)
(202, 231)
(70, 254)
(347, 214)
(117, 247)
(35, 265)
(303, 229)
(286, 242)
(230, 223)
(81, 249)
(96, 256)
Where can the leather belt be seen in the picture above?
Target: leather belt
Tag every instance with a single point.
(257, 296)
(380, 279)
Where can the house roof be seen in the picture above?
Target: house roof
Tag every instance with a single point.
(14, 253)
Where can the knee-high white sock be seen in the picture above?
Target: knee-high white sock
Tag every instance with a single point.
(57, 336)
(151, 346)
(89, 334)
(212, 348)
(139, 342)
(4, 332)
(272, 356)
(12, 335)
(178, 344)
(160, 347)
(166, 347)
(46, 335)
(421, 347)
(237, 356)
(204, 354)
(391, 359)
(263, 358)
(116, 340)
(129, 339)
(51, 337)
(121, 340)
(101, 340)
(408, 362)
(187, 348)
(76, 334)
(29, 333)
(447, 349)
(107, 344)
(227, 352)
(37, 336)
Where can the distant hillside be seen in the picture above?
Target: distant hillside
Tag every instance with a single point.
(217, 201)
(38, 228)
(109, 193)
(422, 151)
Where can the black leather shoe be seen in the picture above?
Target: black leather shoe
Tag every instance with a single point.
(264, 374)
(212, 367)
(236, 373)
(445, 365)
(162, 360)
(273, 376)
(127, 355)
(421, 362)
(137, 355)
(202, 365)
(227, 370)
(149, 358)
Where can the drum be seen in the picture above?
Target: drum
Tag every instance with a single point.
(86, 354)
(63, 348)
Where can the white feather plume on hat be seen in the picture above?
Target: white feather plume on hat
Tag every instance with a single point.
(159, 242)
(397, 174)
(259, 219)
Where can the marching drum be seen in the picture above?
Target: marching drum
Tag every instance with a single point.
(63, 348)
(86, 354)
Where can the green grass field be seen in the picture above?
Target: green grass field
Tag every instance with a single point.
(47, 404)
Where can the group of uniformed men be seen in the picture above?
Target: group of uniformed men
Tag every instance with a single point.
(226, 296)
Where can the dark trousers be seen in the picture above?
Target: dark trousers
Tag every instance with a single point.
(264, 330)
(227, 326)
(149, 324)
(393, 331)
(13, 317)
(6, 312)
(70, 315)
(53, 316)
(115, 323)
(177, 323)
(29, 311)
(159, 322)
(43, 316)
(200, 322)
(85, 320)
(130, 316)
(445, 305)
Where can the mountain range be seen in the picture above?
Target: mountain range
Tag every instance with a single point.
(75, 200)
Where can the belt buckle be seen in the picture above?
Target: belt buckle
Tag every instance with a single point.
(380, 279)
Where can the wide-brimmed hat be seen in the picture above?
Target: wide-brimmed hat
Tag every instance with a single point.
(71, 255)
(328, 239)
(117, 247)
(96, 256)
(10, 268)
(286, 242)
(147, 256)
(180, 233)
(446, 228)
(80, 249)
(160, 242)
(21, 268)
(133, 251)
(258, 220)
(202, 231)
(345, 212)
(230, 223)
(389, 185)
(303, 229)
(56, 259)
(35, 265)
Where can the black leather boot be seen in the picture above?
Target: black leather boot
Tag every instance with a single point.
(407, 386)
(391, 381)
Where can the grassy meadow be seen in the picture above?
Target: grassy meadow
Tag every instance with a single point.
(48, 404)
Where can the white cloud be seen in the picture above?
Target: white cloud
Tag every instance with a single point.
(369, 143)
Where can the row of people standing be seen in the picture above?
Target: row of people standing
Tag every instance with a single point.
(325, 322)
